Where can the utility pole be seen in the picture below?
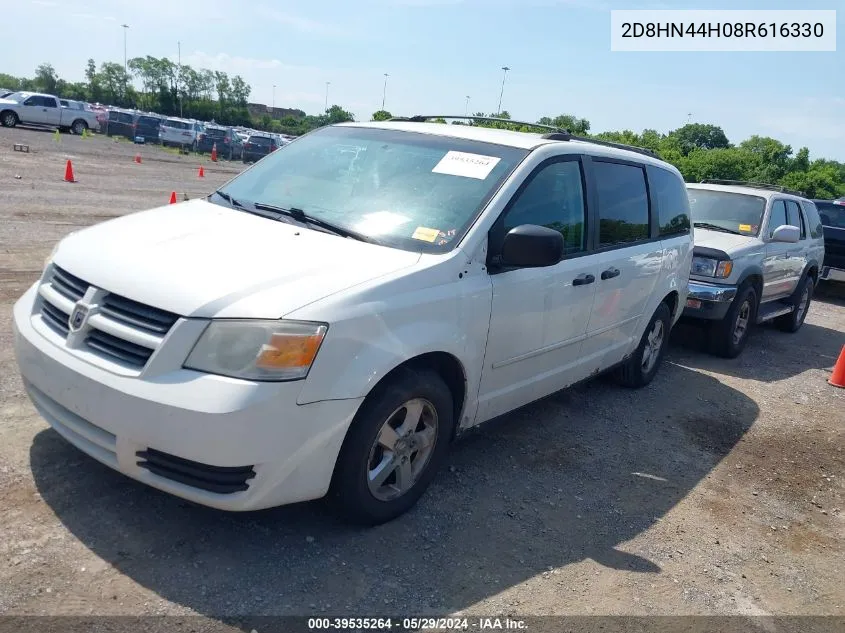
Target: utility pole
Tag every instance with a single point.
(384, 92)
(274, 98)
(466, 107)
(125, 67)
(504, 76)
(179, 79)
(689, 117)
(327, 95)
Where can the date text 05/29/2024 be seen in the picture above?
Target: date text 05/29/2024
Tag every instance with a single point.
(416, 624)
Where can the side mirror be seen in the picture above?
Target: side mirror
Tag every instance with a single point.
(786, 233)
(532, 246)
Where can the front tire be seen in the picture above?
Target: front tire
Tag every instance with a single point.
(793, 321)
(729, 336)
(79, 126)
(642, 366)
(394, 447)
(9, 119)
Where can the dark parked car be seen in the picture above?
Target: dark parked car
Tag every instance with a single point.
(258, 146)
(229, 144)
(832, 214)
(133, 125)
(120, 123)
(147, 127)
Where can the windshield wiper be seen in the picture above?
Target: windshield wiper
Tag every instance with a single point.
(715, 227)
(300, 216)
(229, 199)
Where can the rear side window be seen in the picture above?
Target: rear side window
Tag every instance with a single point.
(124, 117)
(673, 208)
(777, 217)
(793, 216)
(622, 203)
(813, 220)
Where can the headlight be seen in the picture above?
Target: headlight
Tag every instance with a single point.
(707, 267)
(258, 350)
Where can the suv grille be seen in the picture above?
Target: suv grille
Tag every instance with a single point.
(143, 327)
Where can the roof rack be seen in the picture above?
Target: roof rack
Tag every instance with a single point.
(420, 118)
(556, 134)
(755, 185)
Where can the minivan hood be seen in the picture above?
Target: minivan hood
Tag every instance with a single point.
(204, 260)
(727, 242)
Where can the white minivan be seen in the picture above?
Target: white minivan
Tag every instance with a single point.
(329, 320)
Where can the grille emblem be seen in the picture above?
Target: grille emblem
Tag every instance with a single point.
(78, 317)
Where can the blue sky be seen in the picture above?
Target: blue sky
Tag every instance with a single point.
(439, 51)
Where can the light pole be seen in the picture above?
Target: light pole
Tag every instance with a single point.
(274, 98)
(327, 95)
(179, 78)
(466, 107)
(384, 92)
(506, 69)
(125, 67)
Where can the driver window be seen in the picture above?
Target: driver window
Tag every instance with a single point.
(553, 198)
(777, 216)
(31, 101)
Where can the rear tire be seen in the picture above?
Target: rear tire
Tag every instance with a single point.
(79, 126)
(394, 447)
(642, 366)
(793, 321)
(729, 336)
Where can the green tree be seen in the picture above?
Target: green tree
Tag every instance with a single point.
(382, 115)
(700, 136)
(46, 78)
(568, 122)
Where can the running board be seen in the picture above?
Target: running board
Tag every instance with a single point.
(774, 310)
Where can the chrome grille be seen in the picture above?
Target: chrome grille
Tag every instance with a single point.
(68, 285)
(55, 318)
(137, 314)
(114, 347)
(123, 331)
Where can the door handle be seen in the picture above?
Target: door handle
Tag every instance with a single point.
(583, 280)
(610, 273)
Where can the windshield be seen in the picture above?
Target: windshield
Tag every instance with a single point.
(418, 192)
(832, 214)
(259, 140)
(215, 132)
(181, 125)
(737, 212)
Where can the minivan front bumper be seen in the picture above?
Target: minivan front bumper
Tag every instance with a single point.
(708, 301)
(221, 442)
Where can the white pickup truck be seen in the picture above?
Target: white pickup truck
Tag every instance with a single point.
(32, 108)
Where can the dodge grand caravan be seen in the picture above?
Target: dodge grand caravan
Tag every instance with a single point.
(329, 320)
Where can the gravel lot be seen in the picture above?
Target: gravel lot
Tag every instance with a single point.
(716, 490)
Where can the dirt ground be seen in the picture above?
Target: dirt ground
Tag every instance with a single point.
(716, 490)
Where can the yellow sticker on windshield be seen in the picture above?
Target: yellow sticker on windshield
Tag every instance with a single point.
(425, 234)
(745, 227)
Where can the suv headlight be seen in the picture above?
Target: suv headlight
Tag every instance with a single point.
(258, 350)
(708, 267)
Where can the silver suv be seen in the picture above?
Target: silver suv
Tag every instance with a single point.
(757, 255)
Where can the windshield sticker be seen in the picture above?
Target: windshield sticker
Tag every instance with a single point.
(466, 165)
(426, 234)
(446, 236)
(745, 227)
(380, 222)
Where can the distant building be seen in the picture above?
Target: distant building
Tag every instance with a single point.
(260, 109)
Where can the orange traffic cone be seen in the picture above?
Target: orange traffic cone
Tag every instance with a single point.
(201, 172)
(214, 152)
(137, 158)
(837, 378)
(173, 197)
(69, 172)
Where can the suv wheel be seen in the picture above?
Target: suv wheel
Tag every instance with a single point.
(394, 447)
(793, 321)
(729, 336)
(642, 366)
